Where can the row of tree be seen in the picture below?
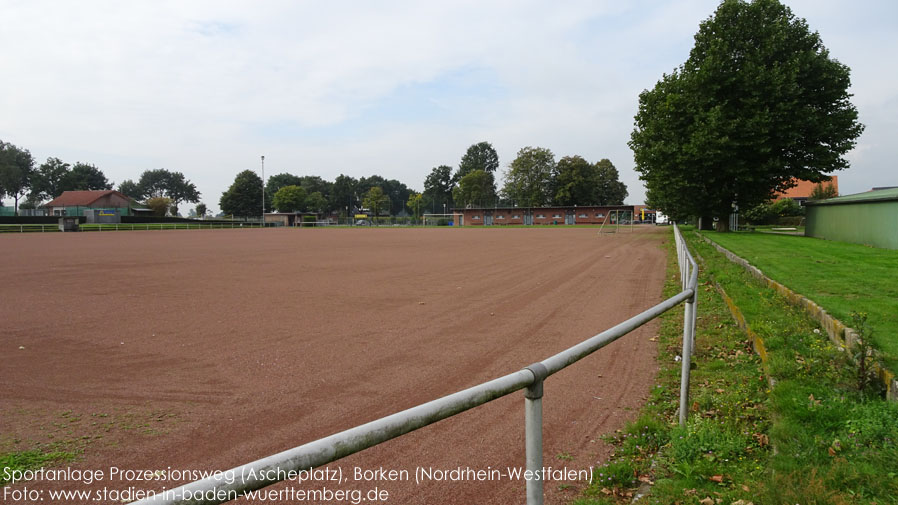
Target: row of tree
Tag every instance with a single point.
(286, 192)
(758, 104)
(161, 189)
(533, 179)
(19, 179)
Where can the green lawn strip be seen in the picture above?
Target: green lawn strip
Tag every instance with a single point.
(840, 277)
(724, 438)
(14, 462)
(834, 444)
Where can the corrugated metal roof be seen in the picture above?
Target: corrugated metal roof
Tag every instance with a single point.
(880, 195)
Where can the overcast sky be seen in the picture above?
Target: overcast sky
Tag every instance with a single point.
(389, 87)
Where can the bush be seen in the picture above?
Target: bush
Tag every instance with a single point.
(776, 213)
(160, 205)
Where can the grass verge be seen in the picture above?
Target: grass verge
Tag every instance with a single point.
(833, 443)
(840, 277)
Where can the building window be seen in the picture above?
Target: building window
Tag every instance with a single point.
(500, 216)
(583, 216)
(556, 216)
(599, 215)
(476, 217)
(516, 216)
(540, 216)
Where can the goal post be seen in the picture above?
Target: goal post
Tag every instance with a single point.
(438, 219)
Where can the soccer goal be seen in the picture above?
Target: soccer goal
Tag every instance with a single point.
(438, 219)
(616, 221)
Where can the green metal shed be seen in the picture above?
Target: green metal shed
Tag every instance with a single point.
(869, 218)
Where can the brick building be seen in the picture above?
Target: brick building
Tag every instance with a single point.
(498, 216)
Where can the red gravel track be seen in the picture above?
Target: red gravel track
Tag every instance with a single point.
(210, 349)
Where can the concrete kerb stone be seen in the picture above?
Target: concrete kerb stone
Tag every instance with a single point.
(839, 333)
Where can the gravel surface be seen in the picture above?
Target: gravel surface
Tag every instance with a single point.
(209, 349)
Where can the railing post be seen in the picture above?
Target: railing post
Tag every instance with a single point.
(533, 429)
(686, 362)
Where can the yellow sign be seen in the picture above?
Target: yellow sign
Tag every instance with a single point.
(361, 216)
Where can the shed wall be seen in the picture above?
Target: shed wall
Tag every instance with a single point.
(869, 223)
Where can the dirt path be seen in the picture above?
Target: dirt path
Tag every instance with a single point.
(209, 349)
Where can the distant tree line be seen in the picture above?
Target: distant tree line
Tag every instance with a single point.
(159, 189)
(534, 178)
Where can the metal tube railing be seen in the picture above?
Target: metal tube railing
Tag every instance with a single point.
(231, 484)
(689, 277)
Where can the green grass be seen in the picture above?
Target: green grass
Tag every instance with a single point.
(30, 460)
(727, 416)
(840, 277)
(833, 444)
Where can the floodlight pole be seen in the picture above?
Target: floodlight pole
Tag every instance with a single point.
(263, 191)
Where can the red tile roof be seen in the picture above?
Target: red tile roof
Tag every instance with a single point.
(804, 188)
(81, 198)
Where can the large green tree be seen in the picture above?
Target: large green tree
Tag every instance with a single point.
(344, 194)
(438, 187)
(573, 181)
(54, 176)
(758, 102)
(162, 182)
(476, 189)
(609, 189)
(414, 203)
(16, 167)
(316, 202)
(48, 181)
(315, 184)
(480, 156)
(396, 191)
(377, 201)
(528, 181)
(290, 199)
(244, 197)
(85, 176)
(276, 182)
(130, 188)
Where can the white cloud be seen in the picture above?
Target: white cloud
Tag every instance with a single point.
(393, 88)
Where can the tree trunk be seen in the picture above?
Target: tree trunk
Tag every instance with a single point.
(723, 224)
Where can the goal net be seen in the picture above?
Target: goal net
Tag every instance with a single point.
(438, 219)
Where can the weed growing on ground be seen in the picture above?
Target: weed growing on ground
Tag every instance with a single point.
(30, 460)
(834, 444)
